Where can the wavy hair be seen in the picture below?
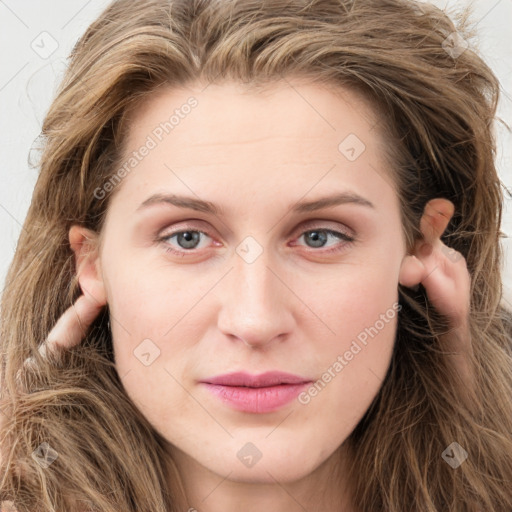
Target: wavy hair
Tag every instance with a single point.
(438, 110)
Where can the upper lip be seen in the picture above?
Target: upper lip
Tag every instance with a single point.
(255, 381)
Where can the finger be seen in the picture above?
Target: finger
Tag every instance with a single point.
(435, 219)
(72, 326)
(412, 272)
(69, 330)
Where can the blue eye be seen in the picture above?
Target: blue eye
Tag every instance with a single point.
(190, 239)
(319, 237)
(187, 240)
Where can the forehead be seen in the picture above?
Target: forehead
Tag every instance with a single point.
(295, 107)
(231, 132)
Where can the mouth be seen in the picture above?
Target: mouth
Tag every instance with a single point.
(259, 394)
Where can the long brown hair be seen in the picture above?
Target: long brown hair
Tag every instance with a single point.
(438, 105)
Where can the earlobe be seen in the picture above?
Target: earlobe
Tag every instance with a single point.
(412, 271)
(84, 244)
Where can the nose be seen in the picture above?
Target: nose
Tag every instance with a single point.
(256, 304)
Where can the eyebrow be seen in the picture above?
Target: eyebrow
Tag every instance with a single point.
(300, 207)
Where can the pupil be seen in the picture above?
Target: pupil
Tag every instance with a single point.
(188, 239)
(318, 237)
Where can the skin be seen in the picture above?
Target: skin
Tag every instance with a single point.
(296, 308)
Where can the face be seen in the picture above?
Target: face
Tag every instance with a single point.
(256, 233)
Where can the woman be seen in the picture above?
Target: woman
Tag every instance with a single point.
(264, 253)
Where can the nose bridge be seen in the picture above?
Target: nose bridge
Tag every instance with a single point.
(254, 306)
(255, 282)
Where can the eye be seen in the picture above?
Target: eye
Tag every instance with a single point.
(185, 240)
(188, 240)
(318, 238)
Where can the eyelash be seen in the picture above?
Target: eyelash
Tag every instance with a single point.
(349, 240)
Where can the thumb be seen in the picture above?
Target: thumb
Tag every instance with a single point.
(412, 271)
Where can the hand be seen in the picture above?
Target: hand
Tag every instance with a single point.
(443, 273)
(69, 330)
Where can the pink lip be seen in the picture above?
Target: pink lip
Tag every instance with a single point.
(256, 393)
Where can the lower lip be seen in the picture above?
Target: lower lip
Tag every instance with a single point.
(257, 400)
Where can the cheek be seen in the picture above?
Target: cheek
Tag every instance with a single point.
(353, 298)
(143, 308)
(151, 310)
(146, 299)
(361, 309)
(355, 361)
(137, 311)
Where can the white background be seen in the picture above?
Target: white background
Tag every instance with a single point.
(28, 81)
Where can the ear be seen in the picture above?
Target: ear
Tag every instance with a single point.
(84, 244)
(436, 216)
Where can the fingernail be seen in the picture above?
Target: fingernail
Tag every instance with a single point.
(42, 349)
